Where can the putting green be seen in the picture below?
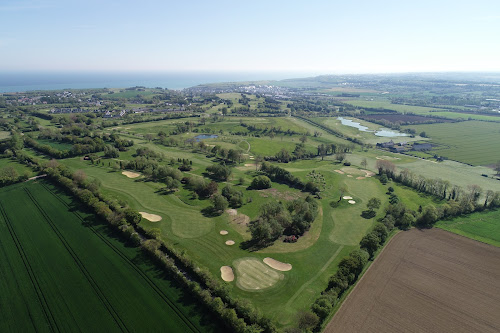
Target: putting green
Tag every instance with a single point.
(252, 274)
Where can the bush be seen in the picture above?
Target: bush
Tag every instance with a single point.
(260, 183)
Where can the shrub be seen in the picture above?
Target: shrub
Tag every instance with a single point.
(260, 182)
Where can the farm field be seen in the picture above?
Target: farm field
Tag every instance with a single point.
(426, 281)
(481, 226)
(386, 104)
(472, 142)
(84, 279)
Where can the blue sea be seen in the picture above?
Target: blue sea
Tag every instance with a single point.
(28, 81)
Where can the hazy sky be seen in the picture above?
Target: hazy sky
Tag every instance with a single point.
(328, 36)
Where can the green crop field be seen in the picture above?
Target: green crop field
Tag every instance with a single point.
(63, 271)
(472, 142)
(386, 104)
(482, 226)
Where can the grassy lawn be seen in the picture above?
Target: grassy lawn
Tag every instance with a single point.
(482, 226)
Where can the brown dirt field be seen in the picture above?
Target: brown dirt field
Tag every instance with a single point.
(426, 281)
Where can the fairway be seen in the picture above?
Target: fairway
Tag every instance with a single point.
(62, 271)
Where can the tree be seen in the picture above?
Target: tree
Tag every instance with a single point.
(303, 139)
(364, 163)
(429, 216)
(132, 216)
(370, 243)
(406, 221)
(373, 204)
(260, 182)
(219, 203)
(148, 136)
(340, 157)
(307, 320)
(219, 172)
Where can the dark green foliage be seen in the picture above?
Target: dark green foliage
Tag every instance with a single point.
(111, 152)
(275, 219)
(370, 243)
(219, 172)
(233, 196)
(219, 203)
(260, 183)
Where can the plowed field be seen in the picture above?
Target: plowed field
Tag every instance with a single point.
(426, 281)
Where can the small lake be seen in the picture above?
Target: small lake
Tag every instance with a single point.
(205, 136)
(380, 132)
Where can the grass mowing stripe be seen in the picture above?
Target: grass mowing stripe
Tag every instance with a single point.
(36, 285)
(132, 264)
(81, 266)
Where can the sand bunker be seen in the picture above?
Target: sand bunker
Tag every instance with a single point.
(339, 171)
(230, 242)
(223, 232)
(226, 273)
(346, 197)
(369, 174)
(232, 212)
(151, 217)
(131, 174)
(352, 202)
(278, 265)
(360, 177)
(350, 176)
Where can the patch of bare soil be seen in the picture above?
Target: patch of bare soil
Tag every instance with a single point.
(226, 273)
(151, 217)
(426, 281)
(278, 265)
(282, 195)
(131, 174)
(232, 212)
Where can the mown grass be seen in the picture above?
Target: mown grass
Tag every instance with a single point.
(482, 226)
(65, 271)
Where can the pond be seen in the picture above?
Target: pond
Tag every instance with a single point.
(205, 136)
(380, 132)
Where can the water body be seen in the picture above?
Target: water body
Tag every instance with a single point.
(383, 132)
(205, 136)
(28, 81)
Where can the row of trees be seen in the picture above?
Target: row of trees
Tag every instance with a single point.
(459, 200)
(281, 175)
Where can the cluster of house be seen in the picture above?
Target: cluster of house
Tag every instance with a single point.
(71, 110)
(401, 147)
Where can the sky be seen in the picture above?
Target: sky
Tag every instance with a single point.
(321, 37)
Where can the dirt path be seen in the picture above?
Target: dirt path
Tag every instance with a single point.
(426, 281)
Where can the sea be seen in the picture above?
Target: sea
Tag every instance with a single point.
(29, 81)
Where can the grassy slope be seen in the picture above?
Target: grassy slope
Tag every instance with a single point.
(98, 277)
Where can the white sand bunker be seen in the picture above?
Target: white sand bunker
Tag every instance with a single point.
(339, 171)
(230, 242)
(350, 176)
(252, 274)
(226, 273)
(360, 177)
(151, 217)
(131, 174)
(223, 232)
(232, 212)
(346, 197)
(278, 265)
(352, 202)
